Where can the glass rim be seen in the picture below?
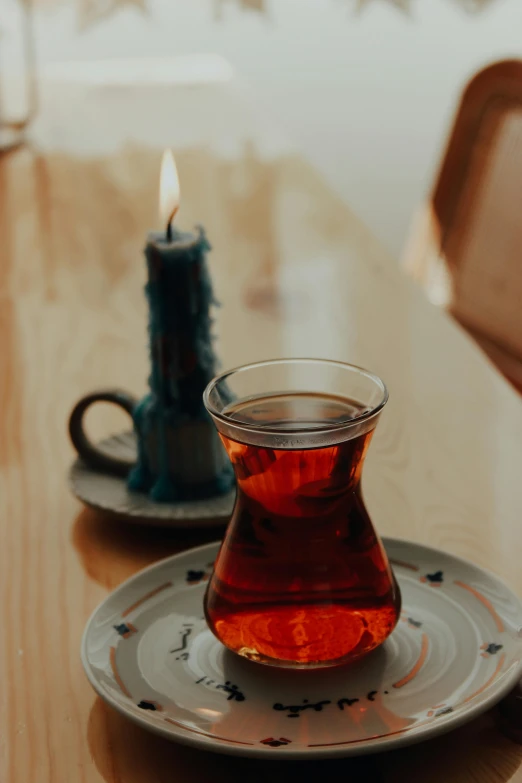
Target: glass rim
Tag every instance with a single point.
(339, 425)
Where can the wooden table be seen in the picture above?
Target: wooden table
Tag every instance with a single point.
(297, 275)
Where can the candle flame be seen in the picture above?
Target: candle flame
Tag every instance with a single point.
(169, 196)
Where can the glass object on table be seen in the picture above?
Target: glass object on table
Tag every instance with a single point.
(302, 579)
(17, 71)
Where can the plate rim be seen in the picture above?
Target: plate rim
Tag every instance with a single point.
(371, 745)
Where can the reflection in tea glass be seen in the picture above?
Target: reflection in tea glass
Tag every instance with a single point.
(301, 579)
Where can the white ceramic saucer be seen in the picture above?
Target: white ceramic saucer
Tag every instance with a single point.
(456, 651)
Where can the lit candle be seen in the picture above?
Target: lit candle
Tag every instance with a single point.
(169, 192)
(180, 456)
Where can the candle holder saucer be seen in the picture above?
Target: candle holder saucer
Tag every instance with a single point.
(109, 493)
(456, 651)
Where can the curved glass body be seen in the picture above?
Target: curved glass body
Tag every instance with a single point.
(302, 578)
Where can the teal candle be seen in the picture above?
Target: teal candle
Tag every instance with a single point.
(180, 456)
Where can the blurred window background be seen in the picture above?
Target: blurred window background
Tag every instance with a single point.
(365, 88)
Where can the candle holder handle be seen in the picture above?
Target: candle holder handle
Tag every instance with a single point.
(92, 454)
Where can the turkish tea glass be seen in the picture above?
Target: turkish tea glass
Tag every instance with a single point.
(301, 579)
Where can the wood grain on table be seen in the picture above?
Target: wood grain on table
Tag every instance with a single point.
(297, 274)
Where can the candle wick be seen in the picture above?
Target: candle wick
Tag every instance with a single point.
(169, 224)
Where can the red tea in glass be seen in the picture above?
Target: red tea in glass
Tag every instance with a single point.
(302, 578)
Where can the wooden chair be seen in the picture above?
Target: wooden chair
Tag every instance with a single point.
(466, 248)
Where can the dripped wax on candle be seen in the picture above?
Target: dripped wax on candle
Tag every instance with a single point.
(180, 456)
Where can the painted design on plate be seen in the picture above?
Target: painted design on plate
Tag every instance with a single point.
(146, 597)
(411, 621)
(341, 703)
(275, 743)
(232, 690)
(490, 649)
(355, 741)
(486, 685)
(402, 564)
(484, 601)
(444, 711)
(433, 710)
(185, 632)
(433, 580)
(144, 704)
(194, 577)
(294, 710)
(205, 733)
(425, 643)
(125, 630)
(115, 673)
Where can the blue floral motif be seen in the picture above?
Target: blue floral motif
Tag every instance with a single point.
(125, 630)
(194, 576)
(435, 579)
(490, 649)
(149, 705)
